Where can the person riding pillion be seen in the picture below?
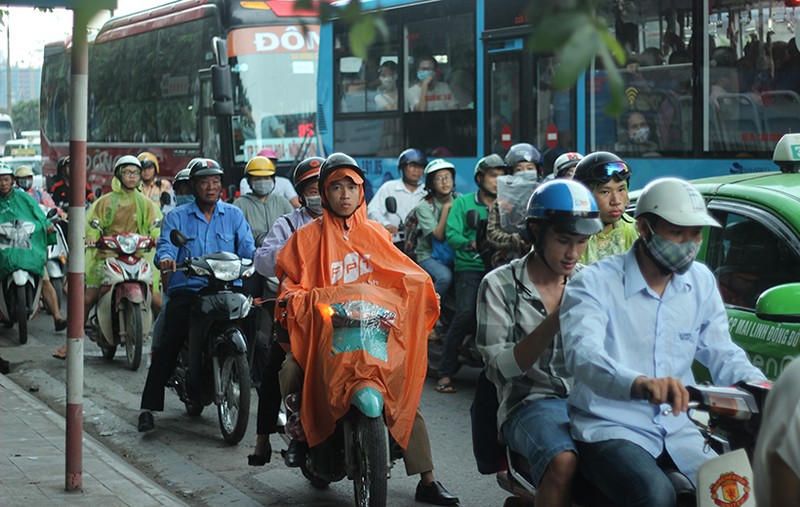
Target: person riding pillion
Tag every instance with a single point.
(262, 207)
(152, 185)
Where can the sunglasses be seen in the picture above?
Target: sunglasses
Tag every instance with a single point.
(605, 172)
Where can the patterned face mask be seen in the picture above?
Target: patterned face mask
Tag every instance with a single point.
(676, 257)
(314, 203)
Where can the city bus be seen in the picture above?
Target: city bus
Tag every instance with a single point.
(150, 87)
(6, 129)
(709, 87)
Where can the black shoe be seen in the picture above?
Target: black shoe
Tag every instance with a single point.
(146, 421)
(61, 325)
(434, 493)
(259, 460)
(295, 454)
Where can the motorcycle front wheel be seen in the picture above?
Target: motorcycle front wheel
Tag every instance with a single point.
(132, 319)
(372, 449)
(58, 286)
(22, 314)
(234, 410)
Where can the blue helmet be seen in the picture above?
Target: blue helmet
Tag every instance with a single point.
(523, 152)
(411, 155)
(566, 204)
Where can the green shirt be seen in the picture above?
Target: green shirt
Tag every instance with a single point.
(616, 241)
(459, 234)
(427, 219)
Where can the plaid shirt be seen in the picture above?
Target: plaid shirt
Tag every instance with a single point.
(509, 245)
(509, 308)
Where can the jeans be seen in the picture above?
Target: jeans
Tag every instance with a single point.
(464, 321)
(627, 474)
(441, 274)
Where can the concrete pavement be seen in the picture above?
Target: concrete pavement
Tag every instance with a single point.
(32, 462)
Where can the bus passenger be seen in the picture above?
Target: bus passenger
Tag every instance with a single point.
(637, 135)
(152, 186)
(518, 336)
(406, 191)
(386, 98)
(607, 176)
(429, 94)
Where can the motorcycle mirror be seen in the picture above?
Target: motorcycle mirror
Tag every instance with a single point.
(177, 238)
(473, 219)
(391, 204)
(166, 198)
(231, 193)
(156, 223)
(98, 192)
(95, 224)
(51, 213)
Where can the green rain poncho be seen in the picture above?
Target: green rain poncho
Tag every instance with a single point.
(18, 249)
(119, 212)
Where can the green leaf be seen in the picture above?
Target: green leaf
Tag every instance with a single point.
(362, 35)
(553, 32)
(613, 45)
(576, 55)
(615, 83)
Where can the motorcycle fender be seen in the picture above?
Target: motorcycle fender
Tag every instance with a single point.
(54, 269)
(131, 291)
(231, 337)
(104, 318)
(21, 277)
(369, 401)
(719, 472)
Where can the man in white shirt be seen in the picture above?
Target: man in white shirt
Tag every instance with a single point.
(406, 190)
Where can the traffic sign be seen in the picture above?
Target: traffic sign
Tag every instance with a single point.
(505, 136)
(551, 136)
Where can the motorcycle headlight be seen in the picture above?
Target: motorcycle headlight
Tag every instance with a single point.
(247, 273)
(128, 244)
(226, 271)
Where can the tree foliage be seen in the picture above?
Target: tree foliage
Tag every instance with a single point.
(26, 115)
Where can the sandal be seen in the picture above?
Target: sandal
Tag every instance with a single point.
(445, 389)
(61, 353)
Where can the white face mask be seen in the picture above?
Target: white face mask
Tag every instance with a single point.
(314, 203)
(640, 135)
(263, 187)
(388, 82)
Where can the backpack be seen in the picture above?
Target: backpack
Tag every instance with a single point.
(412, 233)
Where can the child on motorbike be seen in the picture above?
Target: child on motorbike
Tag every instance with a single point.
(518, 336)
(347, 250)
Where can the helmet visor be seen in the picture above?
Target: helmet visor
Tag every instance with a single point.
(604, 172)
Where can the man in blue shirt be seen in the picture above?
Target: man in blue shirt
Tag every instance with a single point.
(215, 226)
(633, 324)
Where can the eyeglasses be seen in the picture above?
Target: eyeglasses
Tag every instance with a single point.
(605, 172)
(128, 172)
(445, 178)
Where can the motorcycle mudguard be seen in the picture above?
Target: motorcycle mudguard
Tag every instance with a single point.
(54, 269)
(232, 336)
(132, 291)
(369, 401)
(728, 477)
(21, 277)
(103, 310)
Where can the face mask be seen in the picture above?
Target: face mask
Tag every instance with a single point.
(676, 257)
(184, 199)
(25, 184)
(640, 135)
(388, 82)
(422, 74)
(263, 187)
(314, 204)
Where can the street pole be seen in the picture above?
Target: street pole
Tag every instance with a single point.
(77, 231)
(8, 60)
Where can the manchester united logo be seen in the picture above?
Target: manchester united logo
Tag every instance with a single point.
(730, 490)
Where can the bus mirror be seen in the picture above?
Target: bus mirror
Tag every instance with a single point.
(220, 51)
(221, 90)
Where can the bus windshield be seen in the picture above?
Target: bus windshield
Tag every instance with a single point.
(274, 82)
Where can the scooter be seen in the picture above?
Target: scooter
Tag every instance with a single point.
(56, 265)
(213, 366)
(123, 314)
(21, 290)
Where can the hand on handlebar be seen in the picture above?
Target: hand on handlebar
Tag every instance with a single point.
(392, 229)
(166, 265)
(662, 390)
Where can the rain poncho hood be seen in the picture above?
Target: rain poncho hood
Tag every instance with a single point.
(336, 260)
(18, 250)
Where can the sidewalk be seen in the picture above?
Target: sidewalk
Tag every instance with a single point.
(32, 462)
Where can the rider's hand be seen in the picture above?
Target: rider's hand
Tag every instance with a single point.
(50, 229)
(392, 229)
(662, 390)
(472, 246)
(166, 265)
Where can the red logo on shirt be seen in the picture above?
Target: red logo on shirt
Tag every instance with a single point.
(730, 490)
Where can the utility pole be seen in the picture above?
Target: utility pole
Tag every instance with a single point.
(8, 60)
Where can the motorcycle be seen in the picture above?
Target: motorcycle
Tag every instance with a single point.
(213, 366)
(21, 290)
(57, 254)
(123, 314)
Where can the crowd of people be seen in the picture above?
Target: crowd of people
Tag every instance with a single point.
(587, 319)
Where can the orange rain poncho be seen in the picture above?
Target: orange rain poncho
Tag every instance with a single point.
(335, 260)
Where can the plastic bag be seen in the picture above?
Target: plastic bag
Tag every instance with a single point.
(513, 193)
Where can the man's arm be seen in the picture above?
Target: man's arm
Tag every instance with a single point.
(456, 225)
(164, 247)
(267, 252)
(245, 244)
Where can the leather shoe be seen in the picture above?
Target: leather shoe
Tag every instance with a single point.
(296, 453)
(146, 421)
(60, 325)
(434, 493)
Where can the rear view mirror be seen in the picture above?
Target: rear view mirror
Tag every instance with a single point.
(95, 224)
(780, 304)
(177, 238)
(51, 213)
(165, 199)
(391, 204)
(473, 219)
(98, 192)
(231, 193)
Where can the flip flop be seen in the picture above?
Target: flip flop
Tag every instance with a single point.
(445, 389)
(60, 354)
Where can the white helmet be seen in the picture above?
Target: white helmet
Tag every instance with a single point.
(676, 201)
(566, 161)
(4, 169)
(787, 153)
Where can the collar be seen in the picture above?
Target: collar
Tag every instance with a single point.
(195, 209)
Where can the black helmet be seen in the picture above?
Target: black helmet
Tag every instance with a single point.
(599, 167)
(411, 155)
(489, 162)
(523, 152)
(204, 167)
(337, 161)
(306, 172)
(61, 164)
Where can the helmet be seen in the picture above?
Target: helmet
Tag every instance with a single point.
(306, 172)
(787, 153)
(411, 155)
(434, 166)
(523, 152)
(259, 166)
(126, 160)
(147, 159)
(566, 161)
(62, 163)
(269, 153)
(204, 167)
(183, 175)
(566, 204)
(23, 171)
(599, 167)
(6, 170)
(337, 161)
(489, 162)
(676, 201)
